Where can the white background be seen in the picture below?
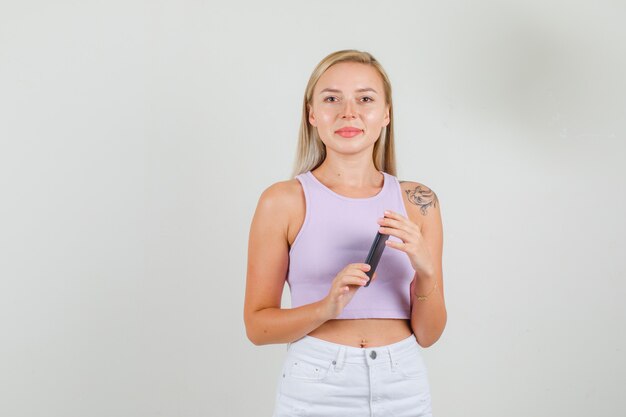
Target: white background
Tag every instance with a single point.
(137, 136)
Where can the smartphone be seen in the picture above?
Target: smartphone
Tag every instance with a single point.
(376, 251)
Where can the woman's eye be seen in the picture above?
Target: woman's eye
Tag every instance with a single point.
(334, 99)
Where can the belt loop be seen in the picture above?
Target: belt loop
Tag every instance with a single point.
(288, 346)
(340, 359)
(393, 363)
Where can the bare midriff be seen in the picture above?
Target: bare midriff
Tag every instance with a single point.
(364, 333)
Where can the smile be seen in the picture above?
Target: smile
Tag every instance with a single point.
(349, 133)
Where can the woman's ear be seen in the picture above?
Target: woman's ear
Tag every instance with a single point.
(311, 115)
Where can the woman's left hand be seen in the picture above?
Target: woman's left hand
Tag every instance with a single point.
(395, 224)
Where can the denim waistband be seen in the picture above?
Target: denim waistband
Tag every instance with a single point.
(323, 350)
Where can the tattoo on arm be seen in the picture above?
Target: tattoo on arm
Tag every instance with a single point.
(423, 197)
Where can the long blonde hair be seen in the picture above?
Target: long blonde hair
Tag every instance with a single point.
(311, 150)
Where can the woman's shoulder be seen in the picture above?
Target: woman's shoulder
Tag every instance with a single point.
(418, 197)
(282, 195)
(414, 185)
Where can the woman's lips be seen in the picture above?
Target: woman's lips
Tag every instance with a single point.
(348, 133)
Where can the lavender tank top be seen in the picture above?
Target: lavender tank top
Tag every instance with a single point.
(339, 230)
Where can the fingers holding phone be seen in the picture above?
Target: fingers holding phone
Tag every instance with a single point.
(344, 286)
(352, 277)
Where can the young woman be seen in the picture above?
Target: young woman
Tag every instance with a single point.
(351, 350)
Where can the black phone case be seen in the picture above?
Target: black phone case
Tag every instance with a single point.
(376, 251)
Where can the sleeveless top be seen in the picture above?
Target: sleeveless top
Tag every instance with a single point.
(339, 230)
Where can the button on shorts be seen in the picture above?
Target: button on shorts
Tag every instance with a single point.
(321, 378)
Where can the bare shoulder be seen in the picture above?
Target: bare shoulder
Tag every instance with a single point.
(284, 203)
(420, 197)
(281, 194)
(422, 205)
(283, 197)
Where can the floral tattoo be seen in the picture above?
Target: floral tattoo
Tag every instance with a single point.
(423, 197)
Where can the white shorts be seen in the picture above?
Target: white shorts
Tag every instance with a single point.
(321, 378)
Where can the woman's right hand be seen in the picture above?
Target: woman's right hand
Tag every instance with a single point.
(344, 286)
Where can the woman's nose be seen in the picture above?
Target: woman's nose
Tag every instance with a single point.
(348, 109)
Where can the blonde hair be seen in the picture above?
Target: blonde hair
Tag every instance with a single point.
(311, 150)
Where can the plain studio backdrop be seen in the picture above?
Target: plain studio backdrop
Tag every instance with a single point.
(137, 137)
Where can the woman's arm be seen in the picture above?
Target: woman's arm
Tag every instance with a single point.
(428, 317)
(268, 262)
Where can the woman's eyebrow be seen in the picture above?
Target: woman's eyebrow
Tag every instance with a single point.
(360, 90)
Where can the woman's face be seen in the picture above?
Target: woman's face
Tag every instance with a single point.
(349, 95)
